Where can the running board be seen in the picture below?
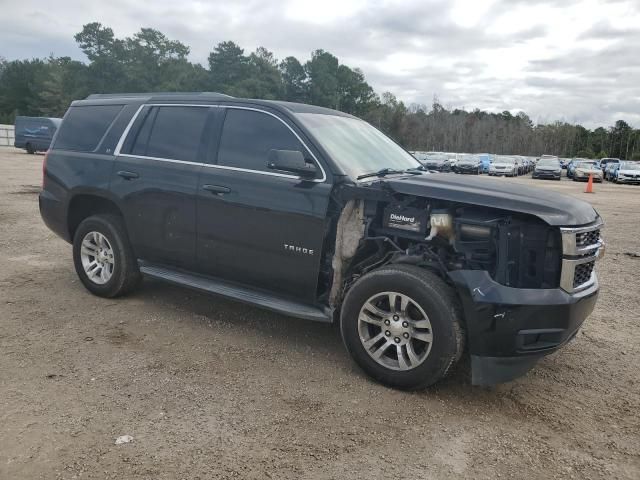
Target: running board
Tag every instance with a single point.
(235, 292)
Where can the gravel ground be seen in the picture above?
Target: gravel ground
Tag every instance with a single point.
(209, 388)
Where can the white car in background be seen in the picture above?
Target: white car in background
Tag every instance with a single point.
(628, 172)
(503, 165)
(585, 168)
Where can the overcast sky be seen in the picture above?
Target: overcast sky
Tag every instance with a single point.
(570, 60)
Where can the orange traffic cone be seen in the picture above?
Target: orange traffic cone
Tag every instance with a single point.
(589, 188)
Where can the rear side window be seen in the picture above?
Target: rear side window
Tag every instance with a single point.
(142, 137)
(171, 132)
(247, 137)
(84, 127)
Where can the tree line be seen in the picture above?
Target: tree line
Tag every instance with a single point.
(149, 61)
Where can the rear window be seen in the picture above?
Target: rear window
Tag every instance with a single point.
(84, 127)
(171, 132)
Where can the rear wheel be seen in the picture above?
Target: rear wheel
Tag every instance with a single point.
(103, 258)
(403, 326)
(30, 149)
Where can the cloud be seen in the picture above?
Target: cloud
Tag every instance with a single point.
(571, 60)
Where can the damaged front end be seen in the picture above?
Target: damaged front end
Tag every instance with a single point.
(509, 268)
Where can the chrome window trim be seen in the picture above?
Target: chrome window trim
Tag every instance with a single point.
(259, 172)
(116, 152)
(170, 160)
(126, 131)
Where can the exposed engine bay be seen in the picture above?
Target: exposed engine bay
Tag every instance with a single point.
(378, 226)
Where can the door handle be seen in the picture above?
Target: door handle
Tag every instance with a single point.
(128, 175)
(217, 189)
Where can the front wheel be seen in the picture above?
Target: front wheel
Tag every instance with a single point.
(403, 326)
(102, 257)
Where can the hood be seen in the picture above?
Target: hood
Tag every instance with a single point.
(551, 207)
(503, 164)
(624, 171)
(548, 169)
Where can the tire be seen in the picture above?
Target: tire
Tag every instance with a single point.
(429, 297)
(30, 149)
(124, 274)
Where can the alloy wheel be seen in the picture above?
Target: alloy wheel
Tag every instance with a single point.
(395, 331)
(97, 257)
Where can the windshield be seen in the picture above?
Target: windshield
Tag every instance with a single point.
(509, 160)
(630, 166)
(355, 145)
(586, 164)
(548, 162)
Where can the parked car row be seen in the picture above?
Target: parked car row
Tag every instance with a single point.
(477, 163)
(543, 167)
(610, 169)
(623, 172)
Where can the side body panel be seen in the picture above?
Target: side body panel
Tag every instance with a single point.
(159, 194)
(159, 208)
(268, 229)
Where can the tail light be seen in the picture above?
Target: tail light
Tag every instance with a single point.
(44, 167)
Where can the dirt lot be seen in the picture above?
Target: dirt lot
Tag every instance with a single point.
(209, 388)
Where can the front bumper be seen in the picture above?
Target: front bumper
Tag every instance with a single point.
(625, 179)
(585, 178)
(467, 169)
(510, 329)
(543, 174)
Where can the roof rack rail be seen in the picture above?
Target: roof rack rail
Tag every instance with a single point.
(156, 94)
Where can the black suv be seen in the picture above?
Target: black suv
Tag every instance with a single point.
(315, 214)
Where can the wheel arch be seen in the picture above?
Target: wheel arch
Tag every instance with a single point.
(84, 205)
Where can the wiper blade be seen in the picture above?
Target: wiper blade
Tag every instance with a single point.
(380, 173)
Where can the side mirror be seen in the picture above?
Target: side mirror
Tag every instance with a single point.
(291, 161)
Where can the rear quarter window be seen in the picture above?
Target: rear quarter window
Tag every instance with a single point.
(83, 127)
